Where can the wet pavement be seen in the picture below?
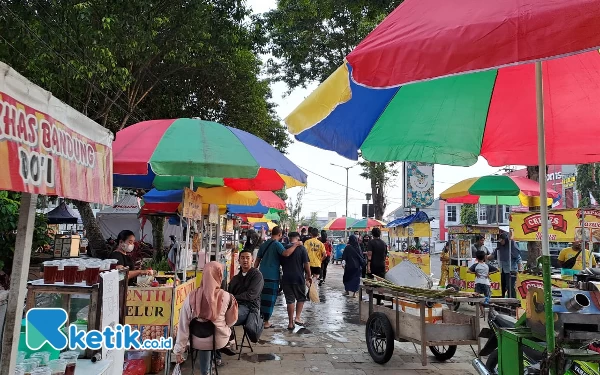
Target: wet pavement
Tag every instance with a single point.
(332, 342)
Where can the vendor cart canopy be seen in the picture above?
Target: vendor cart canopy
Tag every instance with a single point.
(419, 217)
(47, 147)
(63, 214)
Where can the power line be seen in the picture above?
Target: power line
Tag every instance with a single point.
(330, 180)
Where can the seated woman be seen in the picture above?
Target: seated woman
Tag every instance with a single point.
(207, 303)
(125, 245)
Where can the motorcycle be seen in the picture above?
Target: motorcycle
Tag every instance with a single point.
(532, 359)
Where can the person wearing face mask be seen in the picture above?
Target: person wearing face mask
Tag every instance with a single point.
(125, 245)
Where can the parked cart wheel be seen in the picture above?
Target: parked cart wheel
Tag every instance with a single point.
(380, 338)
(443, 353)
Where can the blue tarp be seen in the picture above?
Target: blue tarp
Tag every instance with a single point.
(419, 217)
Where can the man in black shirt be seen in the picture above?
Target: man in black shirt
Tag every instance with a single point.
(376, 254)
(246, 286)
(296, 275)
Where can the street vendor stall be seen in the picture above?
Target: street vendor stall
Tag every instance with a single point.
(460, 251)
(411, 227)
(45, 147)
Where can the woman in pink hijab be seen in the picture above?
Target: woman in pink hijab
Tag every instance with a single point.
(207, 303)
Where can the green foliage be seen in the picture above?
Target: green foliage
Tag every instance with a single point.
(309, 39)
(468, 214)
(124, 62)
(10, 203)
(292, 217)
(311, 221)
(588, 181)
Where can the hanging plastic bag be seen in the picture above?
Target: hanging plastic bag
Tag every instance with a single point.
(313, 293)
(176, 370)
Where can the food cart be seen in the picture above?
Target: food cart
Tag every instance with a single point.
(388, 322)
(460, 254)
(411, 227)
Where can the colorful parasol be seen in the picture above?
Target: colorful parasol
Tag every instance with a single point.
(367, 224)
(165, 153)
(505, 114)
(453, 120)
(504, 190)
(267, 201)
(340, 223)
(261, 223)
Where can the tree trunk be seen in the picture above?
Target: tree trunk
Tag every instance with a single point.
(377, 190)
(158, 225)
(97, 244)
(534, 248)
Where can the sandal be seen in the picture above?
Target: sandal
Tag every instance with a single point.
(291, 328)
(300, 324)
(227, 351)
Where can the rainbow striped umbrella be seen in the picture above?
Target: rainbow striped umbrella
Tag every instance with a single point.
(367, 224)
(340, 223)
(165, 154)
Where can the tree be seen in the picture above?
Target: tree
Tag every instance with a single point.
(588, 183)
(312, 221)
(468, 214)
(10, 202)
(293, 213)
(380, 175)
(124, 62)
(309, 40)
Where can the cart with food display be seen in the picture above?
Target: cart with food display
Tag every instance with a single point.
(416, 315)
(460, 238)
(412, 227)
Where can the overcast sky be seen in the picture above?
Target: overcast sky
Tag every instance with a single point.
(322, 195)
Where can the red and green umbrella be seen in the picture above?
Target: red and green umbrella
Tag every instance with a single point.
(366, 106)
(505, 190)
(166, 153)
(529, 98)
(367, 224)
(340, 223)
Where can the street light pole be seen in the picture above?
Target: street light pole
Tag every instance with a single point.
(347, 182)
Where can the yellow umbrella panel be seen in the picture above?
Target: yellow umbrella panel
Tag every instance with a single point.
(225, 195)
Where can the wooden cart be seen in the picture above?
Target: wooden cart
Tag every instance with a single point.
(384, 324)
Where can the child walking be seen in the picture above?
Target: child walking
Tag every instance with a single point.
(482, 273)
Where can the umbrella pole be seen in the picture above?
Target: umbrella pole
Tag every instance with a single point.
(544, 213)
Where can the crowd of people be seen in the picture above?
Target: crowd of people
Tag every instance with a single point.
(287, 263)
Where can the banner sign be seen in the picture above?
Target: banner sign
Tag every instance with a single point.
(465, 280)
(213, 214)
(418, 185)
(420, 260)
(192, 205)
(472, 229)
(413, 230)
(46, 147)
(149, 306)
(526, 282)
(564, 225)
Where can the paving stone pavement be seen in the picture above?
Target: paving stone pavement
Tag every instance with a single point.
(332, 342)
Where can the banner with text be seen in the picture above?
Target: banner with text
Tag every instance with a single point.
(46, 147)
(192, 205)
(564, 225)
(149, 306)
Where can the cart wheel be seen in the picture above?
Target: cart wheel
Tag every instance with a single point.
(453, 306)
(380, 338)
(443, 353)
(492, 362)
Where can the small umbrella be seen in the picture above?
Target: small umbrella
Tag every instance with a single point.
(367, 224)
(166, 153)
(504, 190)
(340, 223)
